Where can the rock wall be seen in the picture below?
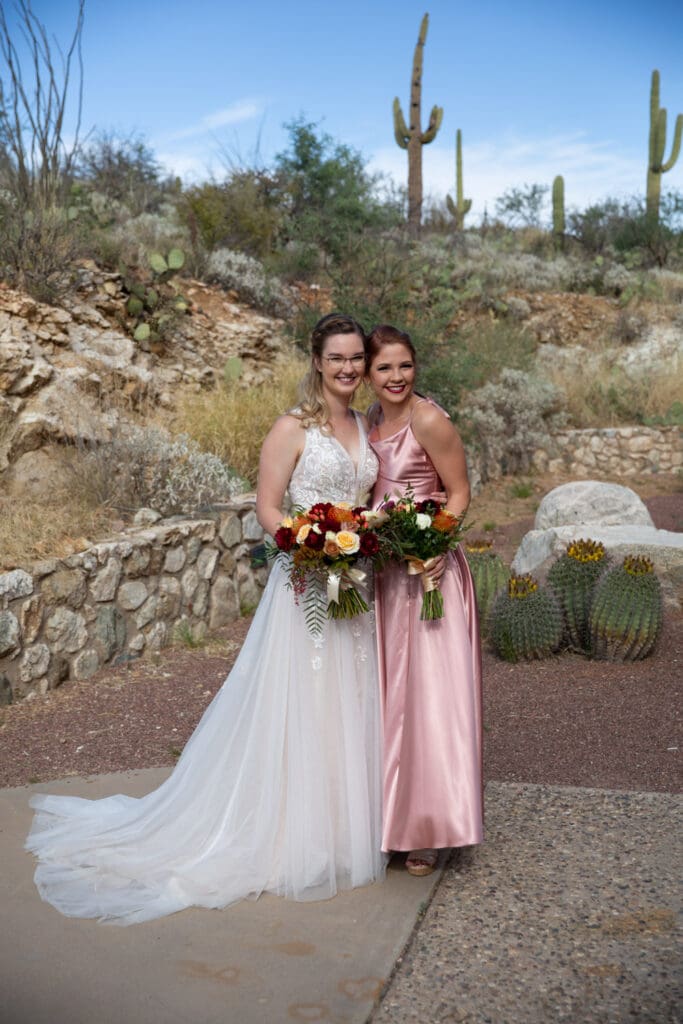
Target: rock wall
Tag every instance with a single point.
(65, 619)
(626, 451)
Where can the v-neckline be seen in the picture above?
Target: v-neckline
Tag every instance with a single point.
(361, 436)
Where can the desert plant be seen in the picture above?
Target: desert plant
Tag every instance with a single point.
(155, 305)
(241, 212)
(511, 418)
(626, 613)
(573, 578)
(124, 171)
(522, 206)
(461, 207)
(656, 165)
(558, 212)
(247, 276)
(412, 138)
(490, 575)
(525, 621)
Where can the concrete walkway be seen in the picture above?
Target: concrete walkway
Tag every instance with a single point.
(566, 913)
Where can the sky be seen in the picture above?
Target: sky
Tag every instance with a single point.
(537, 88)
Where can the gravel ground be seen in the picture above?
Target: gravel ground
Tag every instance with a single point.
(567, 720)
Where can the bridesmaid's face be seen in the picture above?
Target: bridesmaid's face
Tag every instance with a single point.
(392, 374)
(342, 364)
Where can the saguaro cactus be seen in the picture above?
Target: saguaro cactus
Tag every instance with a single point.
(558, 211)
(461, 206)
(413, 138)
(656, 166)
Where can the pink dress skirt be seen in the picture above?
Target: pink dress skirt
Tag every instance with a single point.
(430, 679)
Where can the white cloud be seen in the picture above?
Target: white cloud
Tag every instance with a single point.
(591, 170)
(236, 113)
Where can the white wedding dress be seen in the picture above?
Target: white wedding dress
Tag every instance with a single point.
(279, 787)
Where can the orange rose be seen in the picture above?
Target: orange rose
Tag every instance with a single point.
(331, 548)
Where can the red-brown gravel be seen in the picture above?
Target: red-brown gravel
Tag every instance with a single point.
(567, 721)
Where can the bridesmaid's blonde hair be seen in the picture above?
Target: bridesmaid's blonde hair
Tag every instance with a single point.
(312, 409)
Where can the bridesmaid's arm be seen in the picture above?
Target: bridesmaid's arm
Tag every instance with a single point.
(279, 455)
(441, 441)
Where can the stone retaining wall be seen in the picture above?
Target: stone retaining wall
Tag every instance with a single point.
(627, 451)
(66, 618)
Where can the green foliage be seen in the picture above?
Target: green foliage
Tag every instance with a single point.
(38, 249)
(673, 417)
(155, 306)
(490, 575)
(522, 206)
(626, 613)
(241, 212)
(325, 194)
(573, 578)
(525, 621)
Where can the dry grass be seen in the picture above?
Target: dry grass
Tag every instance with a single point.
(33, 530)
(608, 396)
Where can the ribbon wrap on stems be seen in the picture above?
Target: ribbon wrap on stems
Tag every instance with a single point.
(343, 598)
(432, 598)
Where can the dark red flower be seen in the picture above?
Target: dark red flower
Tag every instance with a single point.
(315, 540)
(285, 538)
(319, 511)
(369, 544)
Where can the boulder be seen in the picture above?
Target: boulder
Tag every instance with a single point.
(584, 503)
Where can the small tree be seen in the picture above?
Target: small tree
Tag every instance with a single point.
(522, 207)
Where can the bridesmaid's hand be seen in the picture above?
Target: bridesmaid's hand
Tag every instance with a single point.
(437, 567)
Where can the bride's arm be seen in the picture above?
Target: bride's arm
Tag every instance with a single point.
(279, 454)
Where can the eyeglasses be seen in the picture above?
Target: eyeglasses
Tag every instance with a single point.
(338, 361)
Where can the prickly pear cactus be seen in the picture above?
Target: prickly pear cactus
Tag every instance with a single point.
(490, 575)
(573, 578)
(626, 614)
(526, 621)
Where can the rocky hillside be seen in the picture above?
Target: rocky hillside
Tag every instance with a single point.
(70, 374)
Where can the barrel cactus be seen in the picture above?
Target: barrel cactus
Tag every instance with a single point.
(573, 578)
(626, 614)
(526, 621)
(489, 573)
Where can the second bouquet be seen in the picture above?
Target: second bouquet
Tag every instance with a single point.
(320, 548)
(417, 532)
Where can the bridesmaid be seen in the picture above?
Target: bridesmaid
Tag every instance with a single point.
(430, 672)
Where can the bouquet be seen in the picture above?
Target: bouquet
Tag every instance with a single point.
(321, 547)
(416, 532)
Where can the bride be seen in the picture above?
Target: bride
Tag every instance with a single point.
(279, 787)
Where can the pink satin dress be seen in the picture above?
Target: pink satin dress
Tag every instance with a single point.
(430, 679)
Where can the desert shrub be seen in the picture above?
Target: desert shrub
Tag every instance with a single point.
(232, 420)
(146, 467)
(247, 276)
(509, 419)
(522, 206)
(325, 191)
(238, 213)
(136, 238)
(38, 249)
(124, 171)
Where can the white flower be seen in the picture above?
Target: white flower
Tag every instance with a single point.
(374, 517)
(423, 521)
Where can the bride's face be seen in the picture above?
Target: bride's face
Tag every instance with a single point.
(342, 364)
(392, 374)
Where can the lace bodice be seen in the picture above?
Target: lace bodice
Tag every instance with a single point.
(326, 472)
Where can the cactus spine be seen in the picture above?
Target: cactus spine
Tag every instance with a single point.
(573, 578)
(626, 613)
(461, 207)
(558, 212)
(413, 138)
(526, 622)
(489, 574)
(656, 166)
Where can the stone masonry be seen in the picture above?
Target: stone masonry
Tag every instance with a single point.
(626, 451)
(65, 619)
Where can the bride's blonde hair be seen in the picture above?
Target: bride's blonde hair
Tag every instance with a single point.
(312, 409)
